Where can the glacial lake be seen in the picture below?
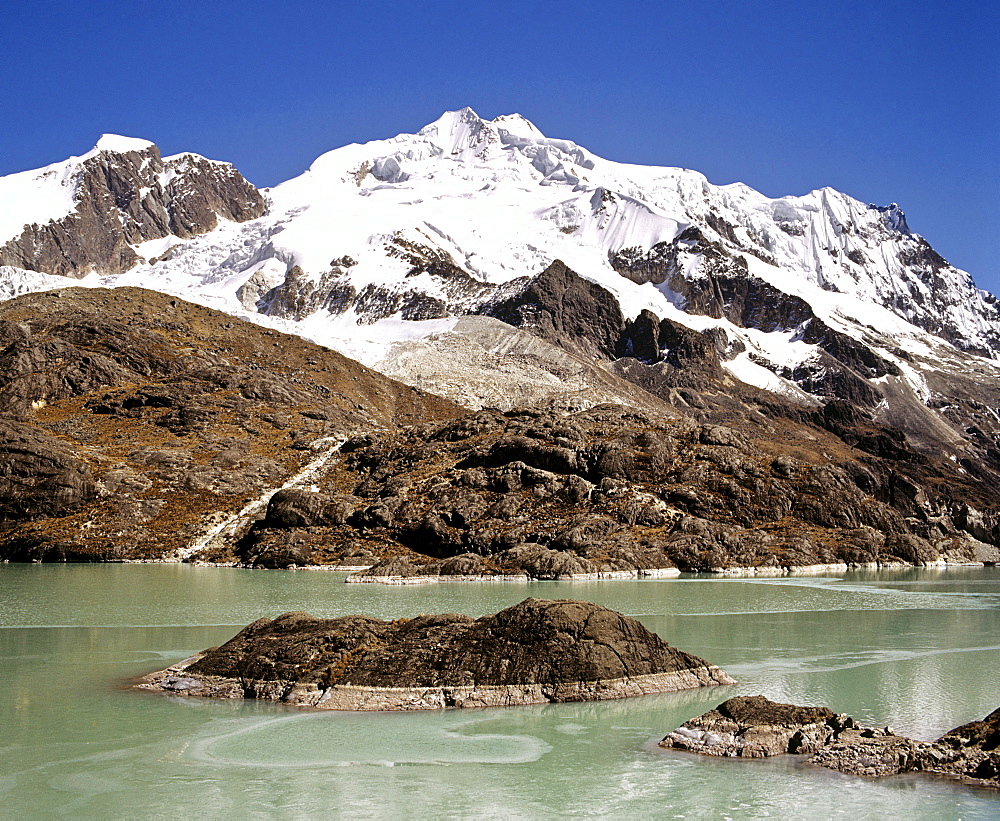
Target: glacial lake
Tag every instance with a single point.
(915, 649)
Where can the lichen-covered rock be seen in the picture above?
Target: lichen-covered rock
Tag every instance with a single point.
(534, 652)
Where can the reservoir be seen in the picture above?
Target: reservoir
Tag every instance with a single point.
(917, 649)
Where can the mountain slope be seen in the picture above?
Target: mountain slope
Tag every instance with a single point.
(135, 426)
(496, 266)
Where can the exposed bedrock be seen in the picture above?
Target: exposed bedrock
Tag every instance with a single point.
(566, 309)
(755, 727)
(609, 492)
(301, 295)
(40, 476)
(534, 652)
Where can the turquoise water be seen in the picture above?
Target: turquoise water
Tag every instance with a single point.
(916, 649)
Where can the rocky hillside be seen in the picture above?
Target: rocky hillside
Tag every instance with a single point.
(954, 412)
(135, 425)
(608, 492)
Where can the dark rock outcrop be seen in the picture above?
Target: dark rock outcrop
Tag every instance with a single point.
(562, 307)
(40, 476)
(725, 289)
(952, 419)
(534, 652)
(301, 295)
(755, 727)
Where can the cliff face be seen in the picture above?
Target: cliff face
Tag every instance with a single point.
(123, 199)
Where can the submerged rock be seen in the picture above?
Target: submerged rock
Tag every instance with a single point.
(534, 652)
(754, 727)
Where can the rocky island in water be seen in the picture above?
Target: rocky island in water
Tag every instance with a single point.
(534, 652)
(755, 727)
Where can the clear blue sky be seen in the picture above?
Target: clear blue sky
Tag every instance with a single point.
(884, 100)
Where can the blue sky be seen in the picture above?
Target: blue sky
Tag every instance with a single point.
(887, 101)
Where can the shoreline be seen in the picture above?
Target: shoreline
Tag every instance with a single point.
(655, 573)
(613, 575)
(671, 573)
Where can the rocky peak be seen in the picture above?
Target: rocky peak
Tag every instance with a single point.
(894, 217)
(126, 194)
(566, 309)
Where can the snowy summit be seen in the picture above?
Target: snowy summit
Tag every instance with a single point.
(393, 240)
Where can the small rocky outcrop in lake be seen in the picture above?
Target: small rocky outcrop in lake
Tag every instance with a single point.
(534, 652)
(755, 727)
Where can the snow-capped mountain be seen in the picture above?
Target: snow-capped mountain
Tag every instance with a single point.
(804, 380)
(380, 249)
